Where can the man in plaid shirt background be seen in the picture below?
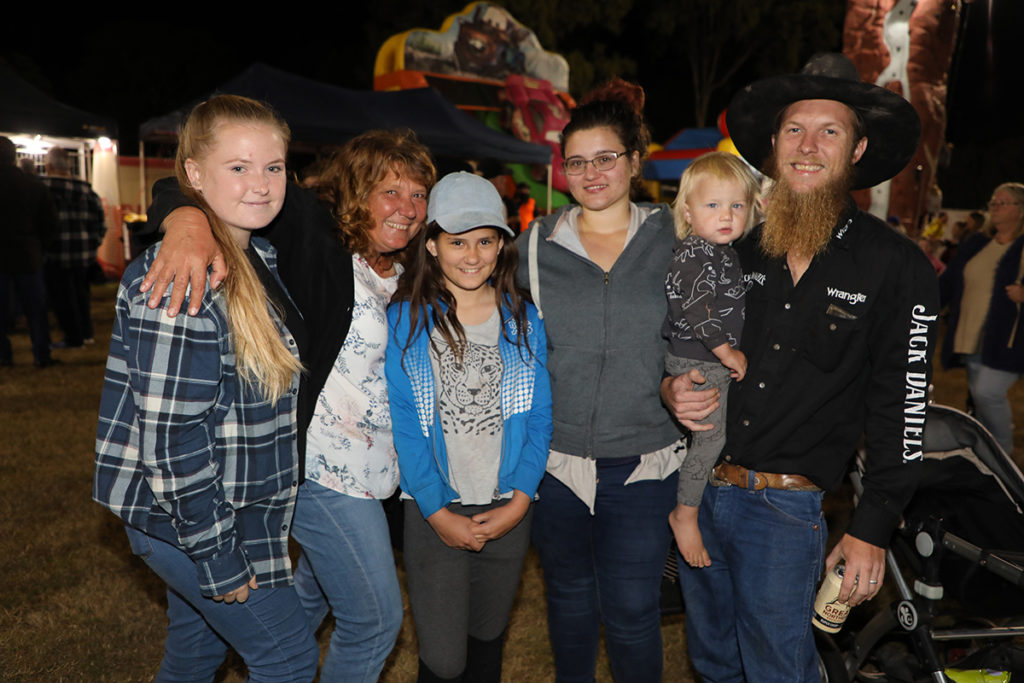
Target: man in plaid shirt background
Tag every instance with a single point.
(81, 220)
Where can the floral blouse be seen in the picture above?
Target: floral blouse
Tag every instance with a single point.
(348, 446)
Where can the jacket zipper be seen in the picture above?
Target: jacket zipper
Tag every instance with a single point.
(591, 438)
(589, 449)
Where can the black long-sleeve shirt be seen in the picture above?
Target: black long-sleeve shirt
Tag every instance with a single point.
(845, 352)
(705, 291)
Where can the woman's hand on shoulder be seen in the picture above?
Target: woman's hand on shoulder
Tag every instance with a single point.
(454, 530)
(187, 249)
(495, 523)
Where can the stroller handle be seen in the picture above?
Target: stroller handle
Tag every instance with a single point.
(990, 559)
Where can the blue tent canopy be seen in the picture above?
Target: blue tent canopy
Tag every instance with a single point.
(685, 146)
(26, 109)
(319, 113)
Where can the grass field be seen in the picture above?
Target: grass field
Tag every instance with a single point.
(75, 605)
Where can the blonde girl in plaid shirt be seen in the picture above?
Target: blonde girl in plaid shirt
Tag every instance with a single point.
(196, 443)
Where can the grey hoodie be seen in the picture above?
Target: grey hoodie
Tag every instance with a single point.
(605, 349)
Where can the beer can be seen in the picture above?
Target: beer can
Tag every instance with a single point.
(829, 613)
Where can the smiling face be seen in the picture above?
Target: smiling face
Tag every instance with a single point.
(242, 177)
(467, 260)
(816, 142)
(398, 205)
(717, 209)
(598, 190)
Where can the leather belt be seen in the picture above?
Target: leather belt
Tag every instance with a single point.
(737, 475)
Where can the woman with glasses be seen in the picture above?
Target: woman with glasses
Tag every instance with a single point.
(597, 272)
(985, 330)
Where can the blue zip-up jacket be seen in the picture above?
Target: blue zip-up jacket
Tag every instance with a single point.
(419, 439)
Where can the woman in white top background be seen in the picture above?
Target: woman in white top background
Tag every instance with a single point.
(985, 329)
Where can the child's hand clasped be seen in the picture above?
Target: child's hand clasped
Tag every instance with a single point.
(455, 530)
(737, 362)
(732, 358)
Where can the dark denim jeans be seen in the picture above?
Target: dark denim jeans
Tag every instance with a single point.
(748, 615)
(269, 630)
(605, 568)
(30, 289)
(67, 290)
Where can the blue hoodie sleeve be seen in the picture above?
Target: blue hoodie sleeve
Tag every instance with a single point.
(533, 458)
(420, 474)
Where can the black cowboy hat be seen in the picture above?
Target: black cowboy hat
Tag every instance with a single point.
(893, 127)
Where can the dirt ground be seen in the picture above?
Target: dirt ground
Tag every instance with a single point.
(76, 606)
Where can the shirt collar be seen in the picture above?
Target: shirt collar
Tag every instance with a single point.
(566, 231)
(843, 233)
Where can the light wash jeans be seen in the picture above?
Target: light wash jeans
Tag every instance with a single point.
(269, 630)
(989, 388)
(748, 615)
(347, 567)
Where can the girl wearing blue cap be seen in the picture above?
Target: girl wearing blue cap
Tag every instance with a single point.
(471, 408)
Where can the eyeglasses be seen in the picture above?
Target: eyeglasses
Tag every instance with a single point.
(992, 204)
(602, 162)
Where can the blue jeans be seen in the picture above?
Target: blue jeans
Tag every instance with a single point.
(347, 566)
(269, 630)
(31, 291)
(606, 567)
(989, 388)
(748, 615)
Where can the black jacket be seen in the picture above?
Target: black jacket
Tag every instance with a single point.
(1004, 322)
(28, 222)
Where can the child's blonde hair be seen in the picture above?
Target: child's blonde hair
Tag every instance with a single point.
(720, 166)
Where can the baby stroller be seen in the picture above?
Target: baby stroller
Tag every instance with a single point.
(957, 568)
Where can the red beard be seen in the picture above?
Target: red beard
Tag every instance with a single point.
(801, 223)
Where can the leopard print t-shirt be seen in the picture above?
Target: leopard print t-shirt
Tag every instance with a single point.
(469, 403)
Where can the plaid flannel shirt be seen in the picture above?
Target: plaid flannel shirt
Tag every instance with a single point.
(185, 452)
(80, 219)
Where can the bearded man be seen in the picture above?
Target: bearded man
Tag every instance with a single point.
(839, 330)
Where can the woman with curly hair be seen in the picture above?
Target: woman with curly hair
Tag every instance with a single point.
(340, 259)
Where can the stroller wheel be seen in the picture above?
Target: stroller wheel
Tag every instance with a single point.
(831, 664)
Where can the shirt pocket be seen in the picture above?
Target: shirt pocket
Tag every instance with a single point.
(828, 339)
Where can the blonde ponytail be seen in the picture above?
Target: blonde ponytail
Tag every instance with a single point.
(263, 361)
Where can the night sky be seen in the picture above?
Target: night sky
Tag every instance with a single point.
(133, 70)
